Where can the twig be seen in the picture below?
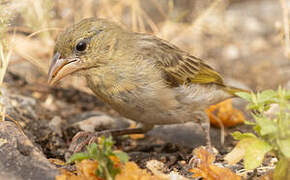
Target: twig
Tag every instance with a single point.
(43, 30)
(197, 22)
(286, 27)
(16, 122)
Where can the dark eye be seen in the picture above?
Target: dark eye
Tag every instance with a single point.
(81, 46)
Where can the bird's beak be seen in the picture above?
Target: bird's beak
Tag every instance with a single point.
(60, 68)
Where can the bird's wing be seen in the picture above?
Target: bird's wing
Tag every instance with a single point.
(179, 67)
(189, 69)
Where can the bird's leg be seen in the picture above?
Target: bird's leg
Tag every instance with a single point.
(81, 139)
(206, 128)
(205, 125)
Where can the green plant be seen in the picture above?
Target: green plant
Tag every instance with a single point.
(102, 153)
(272, 130)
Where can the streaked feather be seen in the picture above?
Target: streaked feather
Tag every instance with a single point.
(178, 66)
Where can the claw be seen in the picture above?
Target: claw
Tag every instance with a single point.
(93, 139)
(80, 134)
(81, 139)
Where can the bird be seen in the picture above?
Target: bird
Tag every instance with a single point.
(142, 77)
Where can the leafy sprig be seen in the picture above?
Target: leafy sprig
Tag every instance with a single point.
(272, 130)
(102, 153)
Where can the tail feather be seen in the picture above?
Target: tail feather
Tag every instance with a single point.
(233, 90)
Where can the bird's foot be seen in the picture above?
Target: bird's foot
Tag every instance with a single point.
(195, 160)
(82, 139)
(208, 146)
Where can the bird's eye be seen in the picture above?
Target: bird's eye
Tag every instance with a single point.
(81, 46)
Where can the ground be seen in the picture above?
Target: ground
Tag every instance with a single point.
(243, 41)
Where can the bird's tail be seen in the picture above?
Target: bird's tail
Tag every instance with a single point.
(233, 90)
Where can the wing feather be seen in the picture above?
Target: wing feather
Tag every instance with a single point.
(179, 67)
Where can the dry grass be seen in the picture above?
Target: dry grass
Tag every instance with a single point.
(44, 18)
(286, 27)
(6, 16)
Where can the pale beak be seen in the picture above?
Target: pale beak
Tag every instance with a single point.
(60, 68)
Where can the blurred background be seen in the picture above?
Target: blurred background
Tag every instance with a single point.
(247, 41)
(244, 40)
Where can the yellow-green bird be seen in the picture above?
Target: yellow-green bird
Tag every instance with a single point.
(141, 76)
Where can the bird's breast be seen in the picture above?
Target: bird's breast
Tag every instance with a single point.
(143, 96)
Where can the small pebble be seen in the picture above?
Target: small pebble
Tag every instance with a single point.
(55, 125)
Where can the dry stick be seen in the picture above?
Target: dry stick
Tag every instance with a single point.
(201, 17)
(31, 59)
(286, 27)
(150, 22)
(141, 24)
(159, 8)
(108, 10)
(138, 17)
(43, 30)
(16, 123)
(134, 18)
(4, 57)
(4, 61)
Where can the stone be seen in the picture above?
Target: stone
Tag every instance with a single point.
(92, 121)
(19, 158)
(55, 125)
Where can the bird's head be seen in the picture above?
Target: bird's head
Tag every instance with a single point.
(82, 46)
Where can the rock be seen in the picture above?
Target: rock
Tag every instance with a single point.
(55, 125)
(273, 111)
(249, 18)
(23, 109)
(187, 134)
(259, 44)
(287, 85)
(16, 102)
(92, 121)
(231, 52)
(19, 159)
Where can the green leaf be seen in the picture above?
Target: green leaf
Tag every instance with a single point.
(239, 136)
(284, 125)
(288, 106)
(267, 96)
(244, 95)
(284, 146)
(257, 129)
(100, 172)
(287, 95)
(255, 152)
(115, 171)
(79, 157)
(122, 156)
(110, 165)
(267, 107)
(250, 123)
(267, 126)
(253, 106)
(281, 171)
(92, 149)
(107, 145)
